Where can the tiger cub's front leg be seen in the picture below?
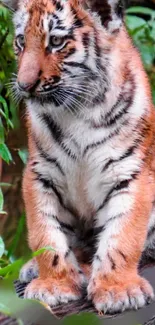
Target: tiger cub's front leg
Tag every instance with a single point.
(115, 284)
(60, 278)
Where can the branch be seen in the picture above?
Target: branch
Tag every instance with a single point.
(7, 320)
(83, 305)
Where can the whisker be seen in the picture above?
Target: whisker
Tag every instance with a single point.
(74, 101)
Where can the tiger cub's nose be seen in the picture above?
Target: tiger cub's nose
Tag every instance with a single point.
(27, 87)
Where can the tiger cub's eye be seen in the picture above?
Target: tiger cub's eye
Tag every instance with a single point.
(56, 41)
(20, 41)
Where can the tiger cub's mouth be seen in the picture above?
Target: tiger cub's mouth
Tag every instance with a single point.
(46, 93)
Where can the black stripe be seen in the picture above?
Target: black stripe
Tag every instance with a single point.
(61, 223)
(122, 185)
(108, 114)
(97, 257)
(119, 8)
(128, 153)
(57, 134)
(54, 217)
(113, 264)
(62, 28)
(67, 226)
(89, 236)
(70, 52)
(122, 254)
(103, 11)
(98, 53)
(77, 21)
(99, 99)
(50, 25)
(64, 47)
(52, 160)
(118, 115)
(55, 260)
(49, 184)
(18, 26)
(130, 150)
(85, 41)
(125, 98)
(64, 70)
(78, 65)
(67, 253)
(58, 5)
(56, 17)
(83, 67)
(103, 141)
(68, 152)
(49, 159)
(120, 215)
(54, 128)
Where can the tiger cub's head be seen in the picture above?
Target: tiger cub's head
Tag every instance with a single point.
(62, 48)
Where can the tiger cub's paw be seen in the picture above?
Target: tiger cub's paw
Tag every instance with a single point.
(52, 292)
(29, 271)
(115, 298)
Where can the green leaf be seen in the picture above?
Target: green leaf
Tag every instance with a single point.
(17, 236)
(5, 153)
(134, 22)
(2, 113)
(3, 212)
(12, 269)
(147, 53)
(2, 247)
(5, 106)
(83, 319)
(42, 250)
(3, 262)
(140, 10)
(5, 184)
(1, 131)
(4, 309)
(23, 154)
(20, 322)
(1, 201)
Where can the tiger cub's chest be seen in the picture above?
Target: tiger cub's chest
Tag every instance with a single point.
(80, 181)
(73, 159)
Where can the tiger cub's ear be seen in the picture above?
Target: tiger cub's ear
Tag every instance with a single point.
(111, 12)
(10, 4)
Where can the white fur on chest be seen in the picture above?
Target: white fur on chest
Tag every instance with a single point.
(84, 185)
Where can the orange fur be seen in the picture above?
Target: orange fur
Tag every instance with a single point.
(36, 63)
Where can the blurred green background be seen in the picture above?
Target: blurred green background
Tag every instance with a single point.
(140, 21)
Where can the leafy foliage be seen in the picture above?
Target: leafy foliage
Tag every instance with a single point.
(141, 25)
(7, 66)
(7, 106)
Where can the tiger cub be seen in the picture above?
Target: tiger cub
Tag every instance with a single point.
(89, 184)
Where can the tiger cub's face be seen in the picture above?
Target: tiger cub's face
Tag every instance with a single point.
(58, 47)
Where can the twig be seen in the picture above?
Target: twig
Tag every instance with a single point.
(6, 6)
(151, 321)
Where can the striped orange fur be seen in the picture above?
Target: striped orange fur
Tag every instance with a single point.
(89, 184)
